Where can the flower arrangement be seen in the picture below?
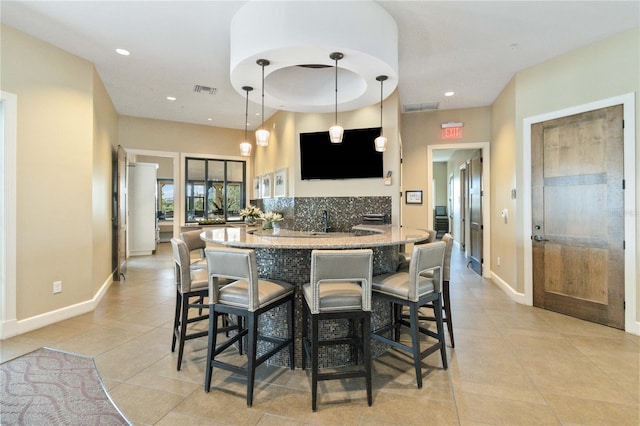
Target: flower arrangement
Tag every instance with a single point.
(251, 214)
(251, 211)
(269, 218)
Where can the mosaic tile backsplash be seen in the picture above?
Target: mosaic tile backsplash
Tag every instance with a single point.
(306, 213)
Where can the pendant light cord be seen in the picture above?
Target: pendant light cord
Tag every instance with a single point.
(381, 95)
(247, 89)
(246, 115)
(262, 112)
(381, 79)
(336, 56)
(336, 117)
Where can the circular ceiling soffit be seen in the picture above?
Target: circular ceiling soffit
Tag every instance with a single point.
(298, 37)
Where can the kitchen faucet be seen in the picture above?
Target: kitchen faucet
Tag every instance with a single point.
(325, 221)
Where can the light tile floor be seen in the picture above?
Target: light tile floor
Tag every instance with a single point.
(512, 364)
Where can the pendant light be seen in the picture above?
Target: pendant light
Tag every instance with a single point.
(335, 131)
(245, 147)
(262, 135)
(381, 141)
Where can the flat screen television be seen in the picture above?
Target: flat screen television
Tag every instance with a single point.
(354, 158)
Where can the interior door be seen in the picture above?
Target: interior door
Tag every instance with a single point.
(463, 207)
(475, 213)
(121, 185)
(578, 216)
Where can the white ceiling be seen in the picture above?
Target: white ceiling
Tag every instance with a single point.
(470, 47)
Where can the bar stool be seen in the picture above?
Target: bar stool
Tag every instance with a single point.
(446, 298)
(414, 290)
(190, 283)
(247, 297)
(340, 288)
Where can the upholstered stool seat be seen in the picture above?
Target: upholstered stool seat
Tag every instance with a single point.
(336, 296)
(397, 284)
(413, 290)
(340, 288)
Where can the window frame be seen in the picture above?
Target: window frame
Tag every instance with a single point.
(208, 215)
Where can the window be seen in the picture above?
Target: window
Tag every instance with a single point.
(215, 190)
(165, 198)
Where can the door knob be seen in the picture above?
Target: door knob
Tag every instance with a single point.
(539, 238)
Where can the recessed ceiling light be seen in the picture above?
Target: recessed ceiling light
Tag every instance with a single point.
(123, 52)
(209, 119)
(171, 98)
(449, 93)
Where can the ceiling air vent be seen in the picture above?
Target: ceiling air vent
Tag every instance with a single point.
(428, 106)
(204, 89)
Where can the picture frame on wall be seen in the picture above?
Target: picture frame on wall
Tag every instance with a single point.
(413, 197)
(280, 183)
(265, 189)
(256, 188)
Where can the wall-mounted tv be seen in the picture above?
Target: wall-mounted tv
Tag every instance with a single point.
(354, 158)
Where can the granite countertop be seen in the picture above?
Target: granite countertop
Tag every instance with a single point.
(363, 236)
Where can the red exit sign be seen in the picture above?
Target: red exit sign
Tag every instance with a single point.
(452, 133)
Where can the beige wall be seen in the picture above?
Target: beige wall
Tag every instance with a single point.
(503, 180)
(280, 152)
(56, 232)
(171, 136)
(105, 135)
(422, 129)
(440, 176)
(165, 164)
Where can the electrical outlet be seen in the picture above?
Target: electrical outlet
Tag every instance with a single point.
(498, 260)
(57, 287)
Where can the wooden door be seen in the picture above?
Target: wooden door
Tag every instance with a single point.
(121, 185)
(463, 207)
(578, 216)
(475, 213)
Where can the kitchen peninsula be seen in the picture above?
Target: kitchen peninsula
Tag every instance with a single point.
(286, 255)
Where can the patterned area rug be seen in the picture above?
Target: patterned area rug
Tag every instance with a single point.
(49, 387)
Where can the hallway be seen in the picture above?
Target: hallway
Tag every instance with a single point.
(512, 364)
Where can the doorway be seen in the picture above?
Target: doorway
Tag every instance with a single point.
(484, 200)
(628, 240)
(125, 156)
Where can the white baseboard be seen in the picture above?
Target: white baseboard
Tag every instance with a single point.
(15, 327)
(141, 253)
(514, 295)
(634, 328)
(8, 329)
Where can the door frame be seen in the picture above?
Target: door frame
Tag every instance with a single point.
(8, 216)
(485, 148)
(177, 182)
(631, 325)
